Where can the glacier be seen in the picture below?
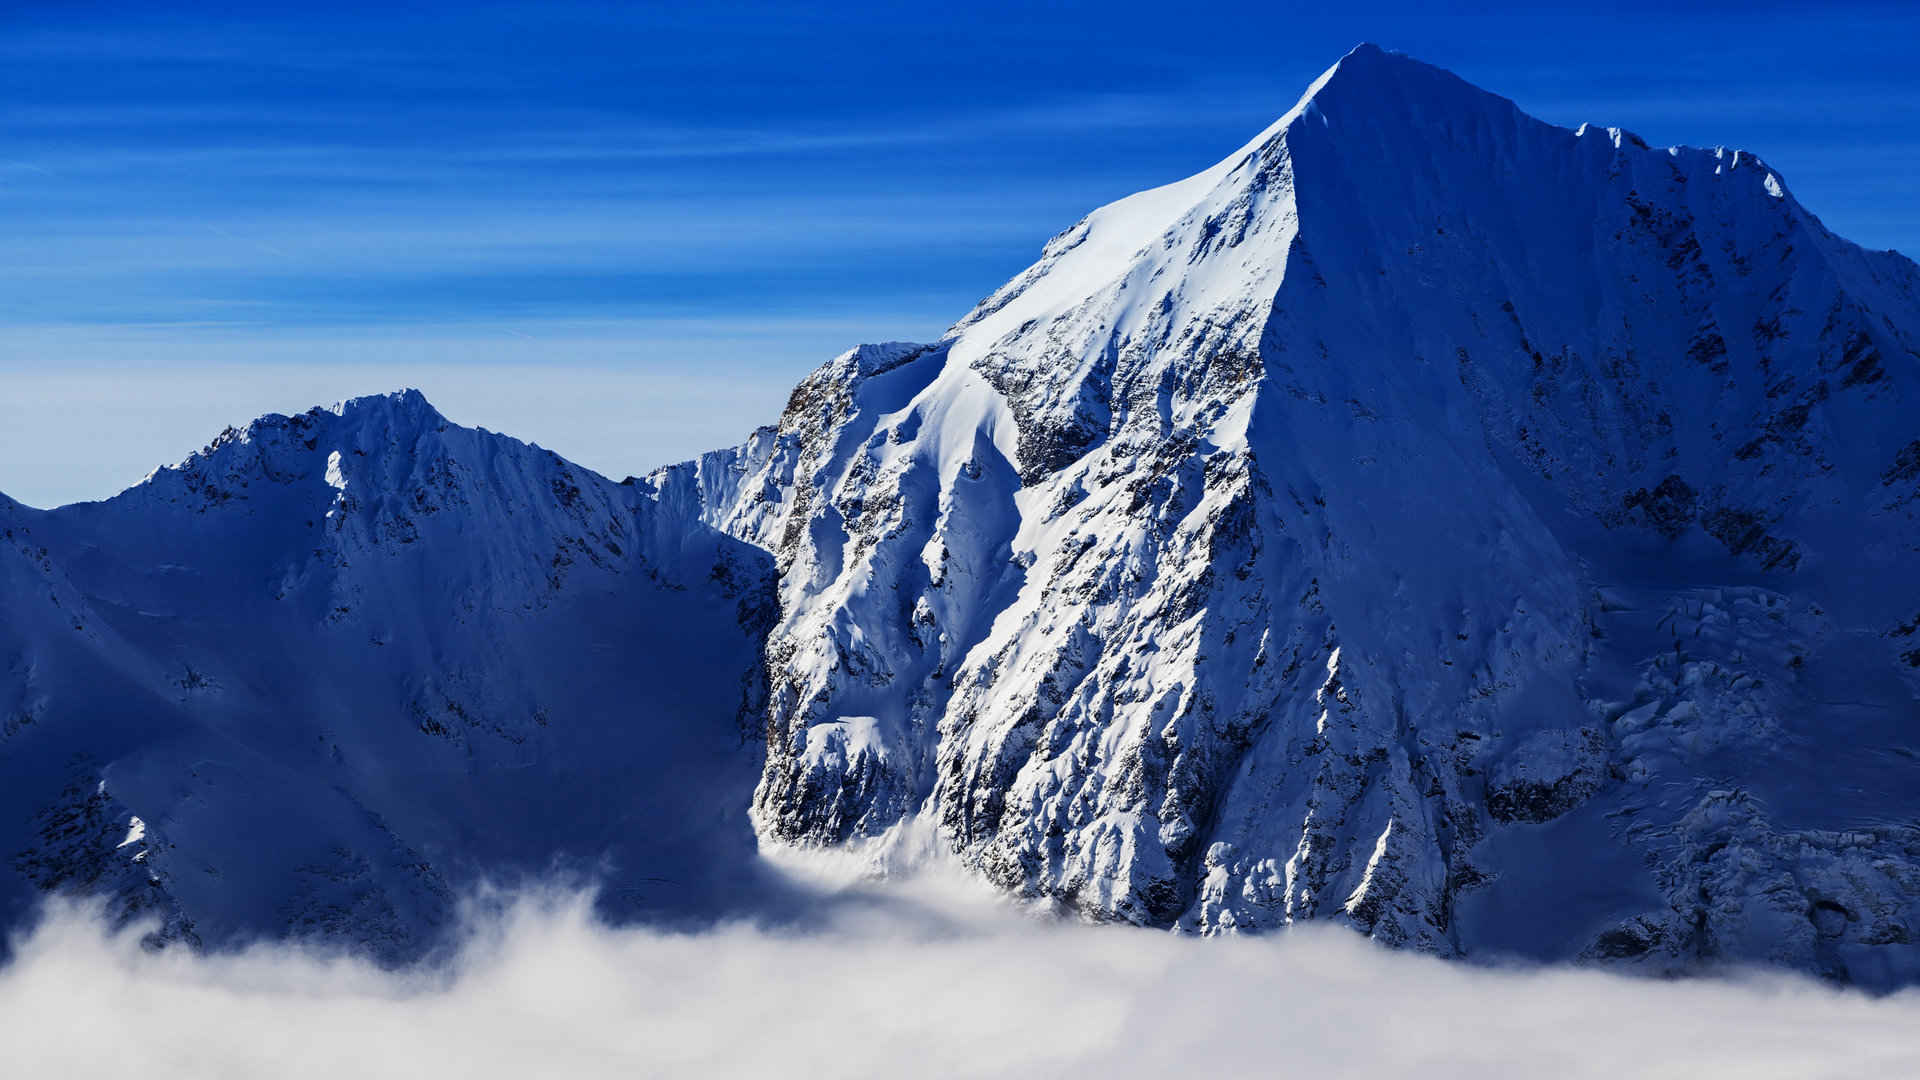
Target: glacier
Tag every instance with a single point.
(1499, 539)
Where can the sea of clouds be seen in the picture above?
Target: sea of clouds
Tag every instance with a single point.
(927, 978)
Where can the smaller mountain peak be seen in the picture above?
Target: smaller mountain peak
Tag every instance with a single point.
(406, 402)
(399, 411)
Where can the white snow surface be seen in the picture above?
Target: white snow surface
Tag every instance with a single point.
(1497, 538)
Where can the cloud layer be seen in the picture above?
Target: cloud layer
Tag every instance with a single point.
(918, 980)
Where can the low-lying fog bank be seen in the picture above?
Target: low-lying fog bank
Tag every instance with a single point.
(920, 979)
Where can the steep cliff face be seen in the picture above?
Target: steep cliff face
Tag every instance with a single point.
(337, 666)
(1500, 538)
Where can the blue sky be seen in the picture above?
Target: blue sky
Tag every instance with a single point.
(625, 230)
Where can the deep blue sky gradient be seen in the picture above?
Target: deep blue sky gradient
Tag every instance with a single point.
(627, 187)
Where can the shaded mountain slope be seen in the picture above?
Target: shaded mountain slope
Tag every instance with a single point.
(337, 667)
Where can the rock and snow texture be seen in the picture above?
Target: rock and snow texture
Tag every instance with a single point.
(1500, 538)
(337, 667)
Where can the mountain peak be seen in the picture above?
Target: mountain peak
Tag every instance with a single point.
(1414, 406)
(280, 447)
(1373, 78)
(405, 404)
(1368, 58)
(321, 603)
(404, 410)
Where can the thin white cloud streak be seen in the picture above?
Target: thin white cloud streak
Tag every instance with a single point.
(286, 48)
(613, 136)
(919, 982)
(328, 144)
(521, 235)
(596, 203)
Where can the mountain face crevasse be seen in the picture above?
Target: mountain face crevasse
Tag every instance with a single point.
(1499, 538)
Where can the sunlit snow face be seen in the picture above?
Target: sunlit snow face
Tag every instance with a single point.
(917, 980)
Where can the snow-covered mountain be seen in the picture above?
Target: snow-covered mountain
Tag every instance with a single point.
(337, 667)
(1500, 538)
(1504, 540)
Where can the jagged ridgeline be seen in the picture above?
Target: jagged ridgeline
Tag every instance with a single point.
(1498, 538)
(1501, 539)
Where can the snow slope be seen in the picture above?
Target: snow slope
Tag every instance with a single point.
(1498, 538)
(338, 667)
